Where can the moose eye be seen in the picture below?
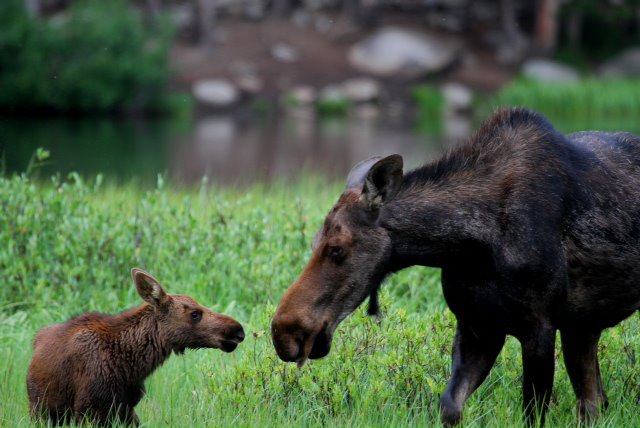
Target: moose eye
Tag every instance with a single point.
(196, 315)
(336, 253)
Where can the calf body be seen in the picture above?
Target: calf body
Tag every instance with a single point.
(93, 366)
(535, 232)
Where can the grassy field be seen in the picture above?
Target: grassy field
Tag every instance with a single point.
(66, 247)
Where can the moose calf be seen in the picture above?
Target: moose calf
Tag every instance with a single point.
(93, 366)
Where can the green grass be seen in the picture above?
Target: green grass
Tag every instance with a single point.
(67, 247)
(586, 99)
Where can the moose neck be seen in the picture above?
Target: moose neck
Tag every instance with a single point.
(439, 224)
(141, 342)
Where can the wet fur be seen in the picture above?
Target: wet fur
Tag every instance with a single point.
(92, 367)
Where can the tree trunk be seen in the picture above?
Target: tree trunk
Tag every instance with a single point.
(206, 16)
(546, 30)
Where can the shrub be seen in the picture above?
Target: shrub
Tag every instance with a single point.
(99, 57)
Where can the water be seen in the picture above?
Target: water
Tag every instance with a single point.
(232, 151)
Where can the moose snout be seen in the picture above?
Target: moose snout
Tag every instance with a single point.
(233, 336)
(236, 333)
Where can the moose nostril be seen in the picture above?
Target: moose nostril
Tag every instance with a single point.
(239, 335)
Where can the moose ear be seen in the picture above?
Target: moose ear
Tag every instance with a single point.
(148, 287)
(379, 177)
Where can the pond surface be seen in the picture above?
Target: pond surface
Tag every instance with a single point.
(232, 151)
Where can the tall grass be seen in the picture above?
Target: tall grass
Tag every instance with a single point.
(66, 247)
(590, 99)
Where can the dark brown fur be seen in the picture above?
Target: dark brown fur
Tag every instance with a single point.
(93, 366)
(535, 232)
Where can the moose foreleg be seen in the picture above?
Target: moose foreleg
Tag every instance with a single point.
(473, 357)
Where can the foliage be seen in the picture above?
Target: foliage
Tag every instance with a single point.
(66, 247)
(98, 57)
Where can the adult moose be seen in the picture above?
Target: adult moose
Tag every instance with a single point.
(534, 231)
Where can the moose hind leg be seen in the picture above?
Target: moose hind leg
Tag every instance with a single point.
(473, 356)
(604, 400)
(538, 366)
(581, 358)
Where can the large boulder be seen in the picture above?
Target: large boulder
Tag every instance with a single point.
(215, 93)
(625, 64)
(397, 52)
(544, 70)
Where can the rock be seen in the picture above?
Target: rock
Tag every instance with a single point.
(249, 83)
(625, 64)
(181, 16)
(302, 96)
(332, 93)
(545, 70)
(457, 97)
(301, 18)
(397, 52)
(361, 90)
(255, 10)
(284, 52)
(323, 24)
(216, 93)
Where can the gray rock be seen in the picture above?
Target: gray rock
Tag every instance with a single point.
(216, 93)
(625, 64)
(284, 52)
(545, 70)
(302, 96)
(301, 17)
(457, 97)
(394, 51)
(332, 93)
(361, 90)
(255, 9)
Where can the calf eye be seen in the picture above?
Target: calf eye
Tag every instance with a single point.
(196, 315)
(336, 253)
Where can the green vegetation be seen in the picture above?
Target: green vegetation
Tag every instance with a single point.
(67, 246)
(588, 99)
(430, 107)
(98, 57)
(332, 106)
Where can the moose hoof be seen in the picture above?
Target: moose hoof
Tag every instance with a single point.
(450, 414)
(587, 412)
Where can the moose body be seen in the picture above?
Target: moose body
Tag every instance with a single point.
(535, 232)
(93, 366)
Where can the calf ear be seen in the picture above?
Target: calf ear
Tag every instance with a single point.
(379, 177)
(148, 287)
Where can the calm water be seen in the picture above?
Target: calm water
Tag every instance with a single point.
(232, 151)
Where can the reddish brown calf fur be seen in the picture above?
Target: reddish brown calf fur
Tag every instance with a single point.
(92, 367)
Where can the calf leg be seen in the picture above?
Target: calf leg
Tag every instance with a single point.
(538, 366)
(581, 358)
(473, 357)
